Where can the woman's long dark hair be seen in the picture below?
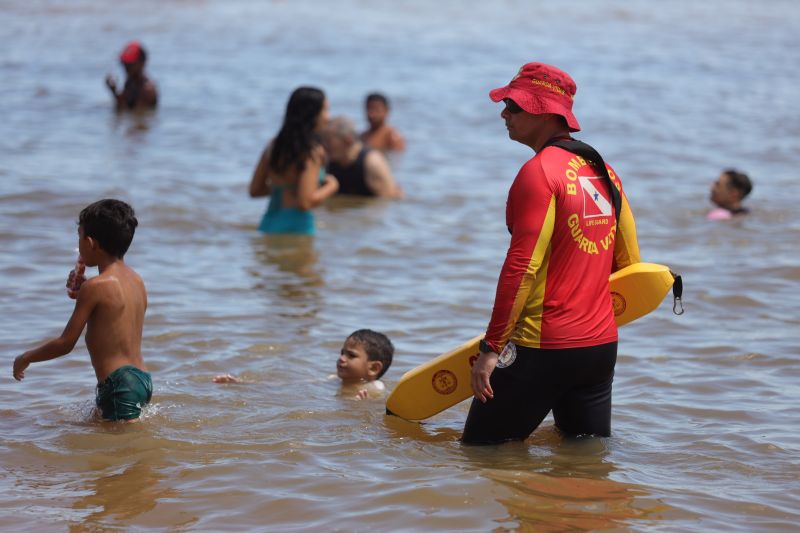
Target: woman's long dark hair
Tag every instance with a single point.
(293, 144)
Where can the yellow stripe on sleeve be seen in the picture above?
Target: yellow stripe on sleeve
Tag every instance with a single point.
(537, 269)
(626, 245)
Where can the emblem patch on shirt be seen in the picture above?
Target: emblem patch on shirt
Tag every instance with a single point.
(594, 203)
(507, 356)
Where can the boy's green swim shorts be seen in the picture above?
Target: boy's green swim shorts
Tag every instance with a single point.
(123, 394)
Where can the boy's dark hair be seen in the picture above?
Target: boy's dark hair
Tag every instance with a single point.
(377, 345)
(378, 97)
(111, 223)
(739, 181)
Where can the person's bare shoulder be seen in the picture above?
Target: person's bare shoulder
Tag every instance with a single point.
(137, 282)
(375, 158)
(379, 176)
(120, 282)
(376, 385)
(149, 94)
(395, 140)
(121, 272)
(133, 274)
(97, 283)
(92, 289)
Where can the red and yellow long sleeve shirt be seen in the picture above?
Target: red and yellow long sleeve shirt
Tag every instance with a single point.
(565, 242)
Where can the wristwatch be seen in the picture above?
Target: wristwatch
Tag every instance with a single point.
(484, 347)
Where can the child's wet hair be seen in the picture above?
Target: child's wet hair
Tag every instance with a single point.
(111, 223)
(377, 345)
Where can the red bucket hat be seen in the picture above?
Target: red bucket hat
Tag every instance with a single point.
(538, 88)
(131, 53)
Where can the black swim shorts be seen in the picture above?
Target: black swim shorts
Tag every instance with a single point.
(574, 383)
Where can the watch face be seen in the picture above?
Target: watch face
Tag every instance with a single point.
(507, 356)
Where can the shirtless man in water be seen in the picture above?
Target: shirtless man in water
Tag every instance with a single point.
(111, 306)
(139, 92)
(381, 135)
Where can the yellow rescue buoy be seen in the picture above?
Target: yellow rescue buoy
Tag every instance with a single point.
(444, 381)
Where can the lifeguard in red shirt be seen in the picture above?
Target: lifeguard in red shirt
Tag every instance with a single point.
(551, 343)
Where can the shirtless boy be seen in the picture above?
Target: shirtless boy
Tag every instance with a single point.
(111, 306)
(380, 134)
(365, 356)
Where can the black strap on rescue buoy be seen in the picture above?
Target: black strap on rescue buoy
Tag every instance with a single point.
(677, 293)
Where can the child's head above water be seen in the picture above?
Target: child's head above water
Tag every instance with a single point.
(366, 356)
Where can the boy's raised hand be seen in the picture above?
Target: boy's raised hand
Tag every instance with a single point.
(111, 83)
(362, 394)
(74, 282)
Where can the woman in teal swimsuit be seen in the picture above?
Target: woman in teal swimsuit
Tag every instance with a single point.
(292, 168)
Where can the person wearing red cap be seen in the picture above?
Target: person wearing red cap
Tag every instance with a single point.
(139, 92)
(551, 343)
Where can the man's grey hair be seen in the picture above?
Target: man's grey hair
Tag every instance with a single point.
(342, 127)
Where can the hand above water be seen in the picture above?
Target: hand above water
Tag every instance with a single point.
(331, 181)
(20, 364)
(111, 83)
(226, 378)
(74, 282)
(481, 372)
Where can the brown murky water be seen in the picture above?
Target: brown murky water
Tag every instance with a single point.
(705, 416)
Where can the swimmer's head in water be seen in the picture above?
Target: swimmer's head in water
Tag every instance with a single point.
(541, 89)
(730, 188)
(366, 355)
